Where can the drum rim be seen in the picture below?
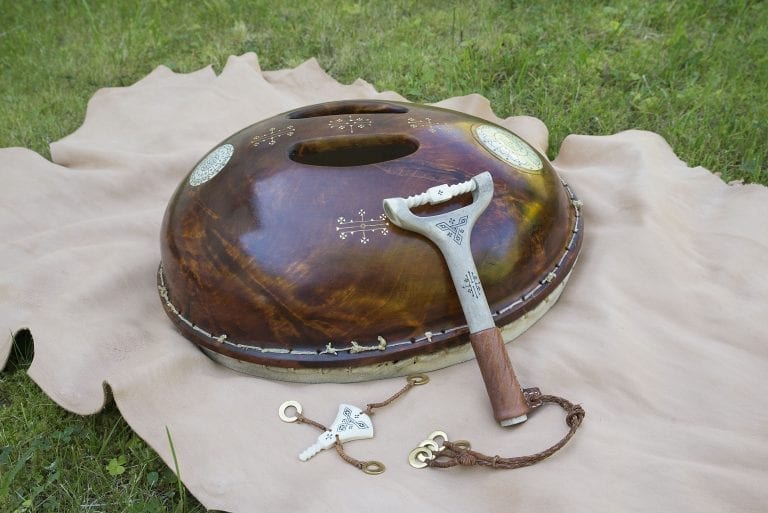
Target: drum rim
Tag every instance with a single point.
(392, 368)
(452, 342)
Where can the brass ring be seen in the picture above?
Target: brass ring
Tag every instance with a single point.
(419, 456)
(431, 445)
(285, 406)
(373, 468)
(418, 379)
(463, 444)
(438, 434)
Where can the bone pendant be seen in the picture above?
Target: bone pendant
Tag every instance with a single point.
(350, 424)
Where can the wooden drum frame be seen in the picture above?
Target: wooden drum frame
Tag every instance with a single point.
(278, 261)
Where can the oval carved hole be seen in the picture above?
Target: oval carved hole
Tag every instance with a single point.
(338, 108)
(353, 150)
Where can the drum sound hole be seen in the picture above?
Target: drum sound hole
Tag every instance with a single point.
(339, 108)
(353, 151)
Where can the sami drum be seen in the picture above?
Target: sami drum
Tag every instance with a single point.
(278, 260)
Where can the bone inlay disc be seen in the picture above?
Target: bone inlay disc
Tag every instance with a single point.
(508, 147)
(211, 165)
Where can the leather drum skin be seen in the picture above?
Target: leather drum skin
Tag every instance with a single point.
(278, 260)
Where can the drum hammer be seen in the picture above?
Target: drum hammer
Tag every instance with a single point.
(451, 232)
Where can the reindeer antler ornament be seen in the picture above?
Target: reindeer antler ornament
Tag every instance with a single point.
(351, 423)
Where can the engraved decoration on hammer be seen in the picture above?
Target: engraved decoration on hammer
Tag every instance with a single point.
(471, 284)
(454, 229)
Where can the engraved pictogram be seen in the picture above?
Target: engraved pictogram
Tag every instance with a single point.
(346, 227)
(471, 283)
(351, 424)
(272, 135)
(454, 229)
(427, 123)
(350, 123)
(352, 420)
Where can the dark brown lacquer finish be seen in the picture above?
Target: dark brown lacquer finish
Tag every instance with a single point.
(278, 260)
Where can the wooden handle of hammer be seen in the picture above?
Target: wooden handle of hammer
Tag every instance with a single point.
(506, 395)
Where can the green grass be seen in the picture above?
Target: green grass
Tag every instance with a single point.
(695, 72)
(52, 460)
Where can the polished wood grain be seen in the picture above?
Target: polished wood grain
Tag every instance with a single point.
(257, 253)
(504, 390)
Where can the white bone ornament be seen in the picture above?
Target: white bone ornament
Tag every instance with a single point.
(350, 424)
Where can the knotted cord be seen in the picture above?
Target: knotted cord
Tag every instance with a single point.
(455, 453)
(459, 453)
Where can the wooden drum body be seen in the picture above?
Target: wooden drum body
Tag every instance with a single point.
(277, 258)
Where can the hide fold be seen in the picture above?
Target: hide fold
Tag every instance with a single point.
(278, 259)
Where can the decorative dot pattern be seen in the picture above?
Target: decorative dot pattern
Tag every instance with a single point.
(509, 148)
(211, 165)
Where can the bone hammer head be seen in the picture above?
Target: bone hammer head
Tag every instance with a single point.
(398, 210)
